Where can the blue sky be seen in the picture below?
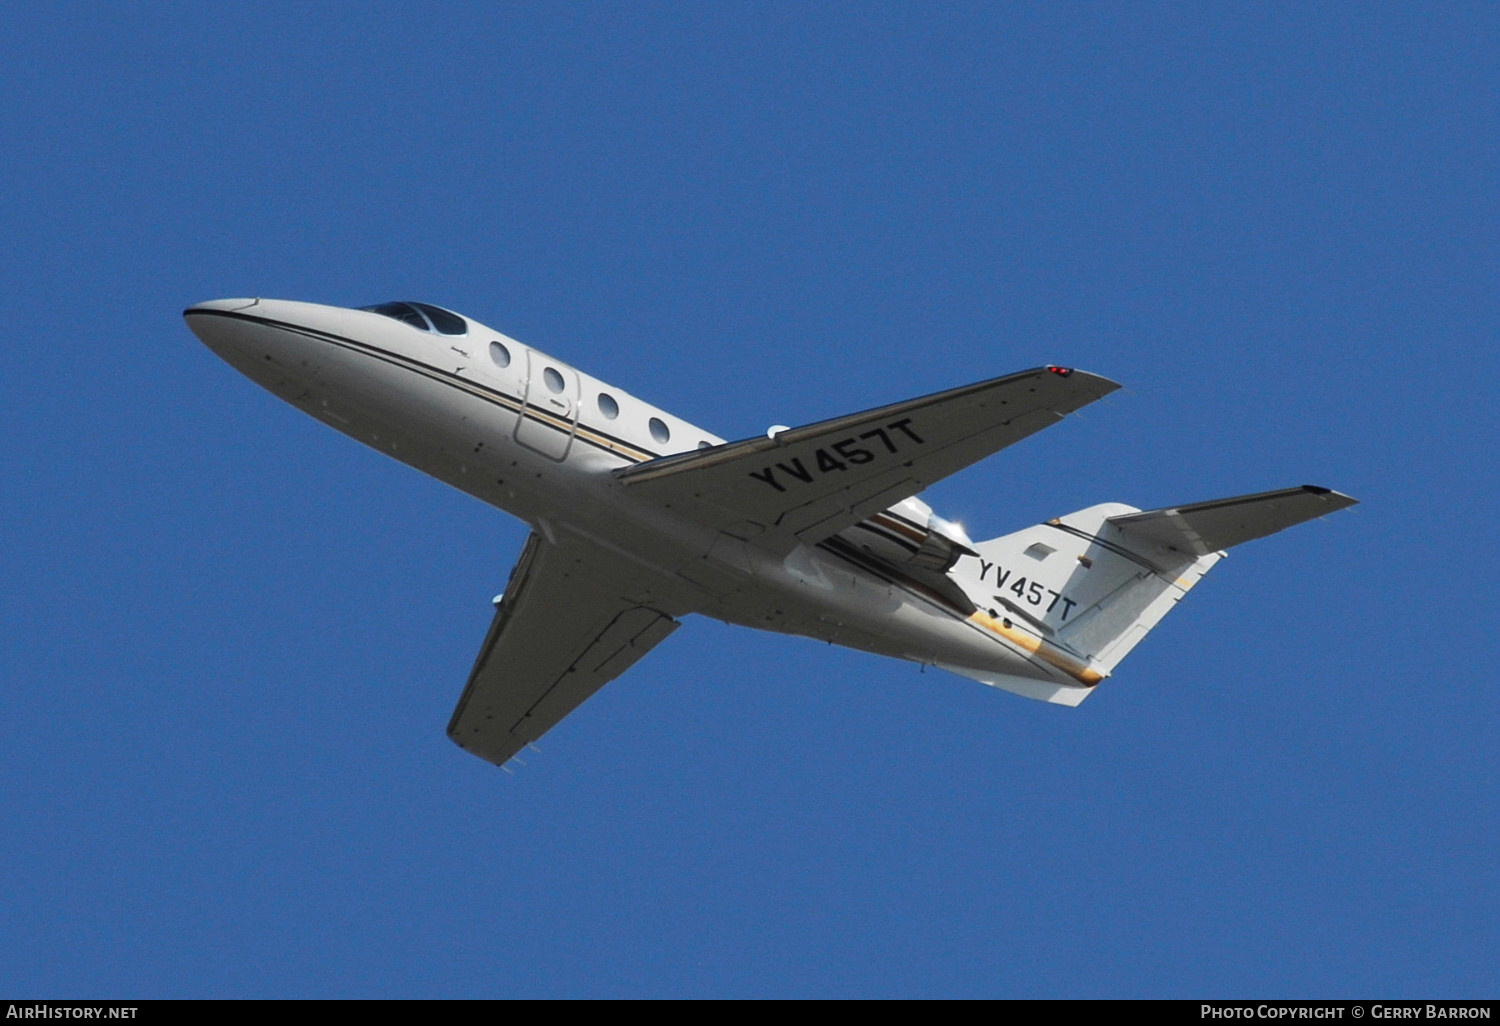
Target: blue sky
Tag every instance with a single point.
(232, 638)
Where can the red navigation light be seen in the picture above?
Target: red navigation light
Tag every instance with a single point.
(1061, 372)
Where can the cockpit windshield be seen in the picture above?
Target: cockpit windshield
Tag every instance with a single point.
(423, 316)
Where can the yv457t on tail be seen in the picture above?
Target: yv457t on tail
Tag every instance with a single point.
(639, 518)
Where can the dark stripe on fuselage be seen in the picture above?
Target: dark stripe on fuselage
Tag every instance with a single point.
(494, 396)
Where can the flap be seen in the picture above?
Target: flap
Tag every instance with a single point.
(562, 631)
(806, 484)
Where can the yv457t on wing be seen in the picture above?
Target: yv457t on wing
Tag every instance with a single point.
(639, 518)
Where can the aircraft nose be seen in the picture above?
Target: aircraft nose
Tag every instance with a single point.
(254, 344)
(216, 330)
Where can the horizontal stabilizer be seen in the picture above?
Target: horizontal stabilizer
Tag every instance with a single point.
(1206, 527)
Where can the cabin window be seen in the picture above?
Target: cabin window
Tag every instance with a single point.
(608, 406)
(553, 379)
(499, 354)
(659, 430)
(705, 445)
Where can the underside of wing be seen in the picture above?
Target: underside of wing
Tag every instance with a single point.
(806, 484)
(562, 631)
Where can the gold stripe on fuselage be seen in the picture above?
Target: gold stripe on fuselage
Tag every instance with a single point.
(1039, 648)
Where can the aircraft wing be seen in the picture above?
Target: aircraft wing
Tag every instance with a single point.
(805, 484)
(564, 629)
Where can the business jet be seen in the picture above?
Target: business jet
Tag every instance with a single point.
(639, 518)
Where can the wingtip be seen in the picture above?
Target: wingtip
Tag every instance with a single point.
(1338, 499)
(1103, 385)
(1077, 376)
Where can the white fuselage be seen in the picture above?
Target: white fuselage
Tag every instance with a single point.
(535, 437)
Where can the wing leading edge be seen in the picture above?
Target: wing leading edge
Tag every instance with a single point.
(563, 630)
(806, 484)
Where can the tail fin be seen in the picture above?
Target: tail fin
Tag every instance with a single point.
(1090, 585)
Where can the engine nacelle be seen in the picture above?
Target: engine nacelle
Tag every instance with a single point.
(910, 532)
